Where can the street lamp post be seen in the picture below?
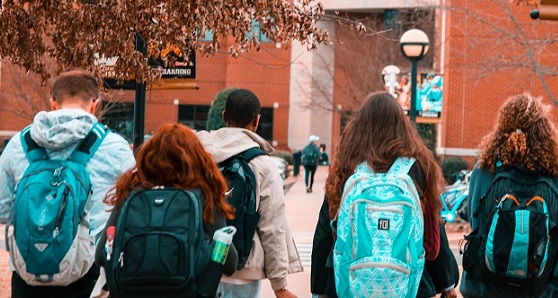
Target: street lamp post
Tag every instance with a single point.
(414, 46)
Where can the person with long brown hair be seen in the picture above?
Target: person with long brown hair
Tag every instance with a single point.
(174, 157)
(523, 143)
(378, 134)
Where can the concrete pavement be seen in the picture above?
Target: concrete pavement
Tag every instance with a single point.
(302, 215)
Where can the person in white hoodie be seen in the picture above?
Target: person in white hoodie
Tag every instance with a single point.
(75, 95)
(273, 253)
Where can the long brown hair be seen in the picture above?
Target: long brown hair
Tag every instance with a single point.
(523, 136)
(175, 157)
(378, 133)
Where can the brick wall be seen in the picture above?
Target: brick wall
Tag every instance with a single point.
(481, 69)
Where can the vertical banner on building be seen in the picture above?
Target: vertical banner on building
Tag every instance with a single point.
(430, 91)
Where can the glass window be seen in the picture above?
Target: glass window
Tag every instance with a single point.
(193, 116)
(256, 30)
(265, 128)
(119, 117)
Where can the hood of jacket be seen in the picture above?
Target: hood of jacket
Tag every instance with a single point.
(228, 141)
(61, 128)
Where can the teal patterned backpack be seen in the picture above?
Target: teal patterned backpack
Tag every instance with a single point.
(378, 251)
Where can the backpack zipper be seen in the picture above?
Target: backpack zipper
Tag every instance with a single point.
(121, 259)
(402, 269)
(61, 212)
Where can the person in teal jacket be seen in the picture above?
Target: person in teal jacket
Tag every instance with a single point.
(524, 137)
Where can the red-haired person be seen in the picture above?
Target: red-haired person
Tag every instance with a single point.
(174, 157)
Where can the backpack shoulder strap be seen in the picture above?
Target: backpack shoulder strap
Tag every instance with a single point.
(32, 150)
(251, 153)
(401, 165)
(90, 144)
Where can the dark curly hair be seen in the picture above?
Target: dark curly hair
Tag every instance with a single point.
(523, 136)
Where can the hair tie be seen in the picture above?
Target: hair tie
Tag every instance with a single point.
(518, 130)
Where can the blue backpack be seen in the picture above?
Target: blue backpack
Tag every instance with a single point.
(379, 247)
(48, 228)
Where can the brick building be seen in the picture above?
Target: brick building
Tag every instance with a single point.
(485, 51)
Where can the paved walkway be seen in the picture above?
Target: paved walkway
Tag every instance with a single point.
(302, 216)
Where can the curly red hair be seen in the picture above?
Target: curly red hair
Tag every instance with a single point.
(175, 157)
(523, 136)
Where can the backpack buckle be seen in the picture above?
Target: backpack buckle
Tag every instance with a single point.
(56, 177)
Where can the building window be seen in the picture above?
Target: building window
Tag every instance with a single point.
(119, 117)
(208, 36)
(193, 116)
(259, 34)
(265, 128)
(255, 30)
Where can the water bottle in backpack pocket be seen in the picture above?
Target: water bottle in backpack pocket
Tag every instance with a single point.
(515, 244)
(379, 246)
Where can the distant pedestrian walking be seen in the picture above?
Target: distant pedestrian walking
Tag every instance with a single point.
(310, 156)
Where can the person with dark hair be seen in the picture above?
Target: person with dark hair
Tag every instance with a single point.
(215, 114)
(522, 148)
(273, 254)
(377, 136)
(74, 98)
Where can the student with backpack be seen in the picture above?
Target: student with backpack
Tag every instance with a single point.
(310, 156)
(158, 239)
(513, 206)
(386, 225)
(271, 251)
(62, 165)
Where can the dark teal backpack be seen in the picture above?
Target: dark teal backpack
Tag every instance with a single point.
(516, 242)
(310, 154)
(242, 184)
(159, 246)
(48, 232)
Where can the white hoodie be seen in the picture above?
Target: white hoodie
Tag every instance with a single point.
(59, 132)
(274, 253)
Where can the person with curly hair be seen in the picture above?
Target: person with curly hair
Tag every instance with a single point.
(378, 134)
(525, 140)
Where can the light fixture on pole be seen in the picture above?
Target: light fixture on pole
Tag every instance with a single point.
(389, 73)
(414, 46)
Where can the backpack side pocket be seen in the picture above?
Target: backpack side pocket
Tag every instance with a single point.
(471, 250)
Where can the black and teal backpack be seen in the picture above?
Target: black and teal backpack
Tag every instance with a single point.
(516, 242)
(242, 186)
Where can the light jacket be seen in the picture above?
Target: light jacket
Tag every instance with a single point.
(59, 132)
(274, 253)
